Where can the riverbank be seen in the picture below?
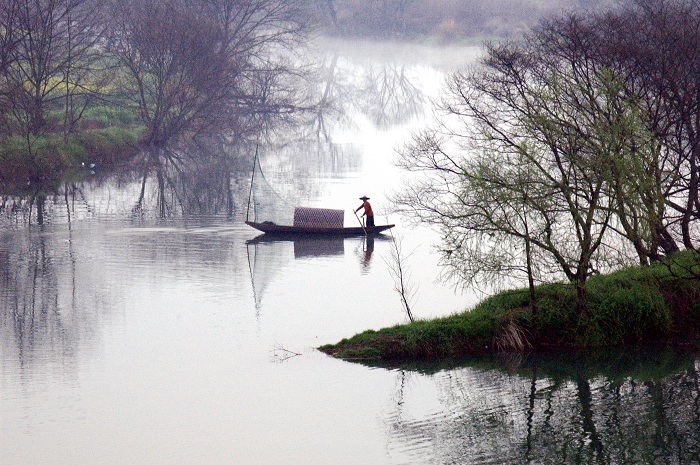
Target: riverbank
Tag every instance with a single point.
(633, 306)
(45, 160)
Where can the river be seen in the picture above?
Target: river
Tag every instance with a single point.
(129, 339)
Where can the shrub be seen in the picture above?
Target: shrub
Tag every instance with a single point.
(108, 146)
(629, 312)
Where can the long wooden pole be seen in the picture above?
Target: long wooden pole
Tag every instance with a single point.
(360, 221)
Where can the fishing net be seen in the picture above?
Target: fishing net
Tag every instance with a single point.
(266, 205)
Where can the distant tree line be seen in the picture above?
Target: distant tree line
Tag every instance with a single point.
(442, 20)
(178, 69)
(572, 151)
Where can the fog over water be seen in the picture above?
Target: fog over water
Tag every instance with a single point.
(129, 339)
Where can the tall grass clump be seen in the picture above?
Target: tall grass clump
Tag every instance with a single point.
(629, 308)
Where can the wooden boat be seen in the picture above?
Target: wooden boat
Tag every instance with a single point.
(307, 221)
(276, 229)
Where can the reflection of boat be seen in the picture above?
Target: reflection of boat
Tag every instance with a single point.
(272, 228)
(306, 246)
(269, 255)
(271, 215)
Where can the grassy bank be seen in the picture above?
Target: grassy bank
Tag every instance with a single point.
(637, 305)
(41, 159)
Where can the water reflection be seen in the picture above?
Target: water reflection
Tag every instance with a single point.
(366, 253)
(274, 251)
(269, 255)
(305, 246)
(391, 96)
(638, 406)
(39, 311)
(194, 179)
(328, 95)
(386, 92)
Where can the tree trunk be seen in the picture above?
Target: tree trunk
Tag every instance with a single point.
(666, 241)
(530, 277)
(581, 303)
(688, 215)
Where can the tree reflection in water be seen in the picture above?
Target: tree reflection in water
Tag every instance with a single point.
(391, 96)
(269, 256)
(39, 313)
(192, 180)
(612, 408)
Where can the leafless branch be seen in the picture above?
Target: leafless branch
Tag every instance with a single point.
(401, 275)
(281, 353)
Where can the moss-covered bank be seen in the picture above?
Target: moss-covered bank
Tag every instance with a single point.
(636, 305)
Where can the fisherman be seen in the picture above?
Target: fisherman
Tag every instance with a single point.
(367, 211)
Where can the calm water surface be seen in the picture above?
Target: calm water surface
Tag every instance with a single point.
(129, 340)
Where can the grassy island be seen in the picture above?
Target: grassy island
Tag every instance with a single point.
(632, 306)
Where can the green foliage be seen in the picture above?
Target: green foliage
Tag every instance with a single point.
(106, 146)
(685, 264)
(506, 299)
(38, 160)
(628, 310)
(445, 337)
(44, 159)
(636, 305)
(108, 116)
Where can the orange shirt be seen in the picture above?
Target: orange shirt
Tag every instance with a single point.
(368, 208)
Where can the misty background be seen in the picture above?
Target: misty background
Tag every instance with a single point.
(440, 21)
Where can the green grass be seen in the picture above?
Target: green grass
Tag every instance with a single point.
(46, 159)
(106, 146)
(633, 306)
(109, 116)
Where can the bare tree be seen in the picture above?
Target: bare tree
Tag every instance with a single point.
(197, 68)
(10, 34)
(399, 272)
(86, 74)
(203, 77)
(664, 71)
(174, 75)
(54, 50)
